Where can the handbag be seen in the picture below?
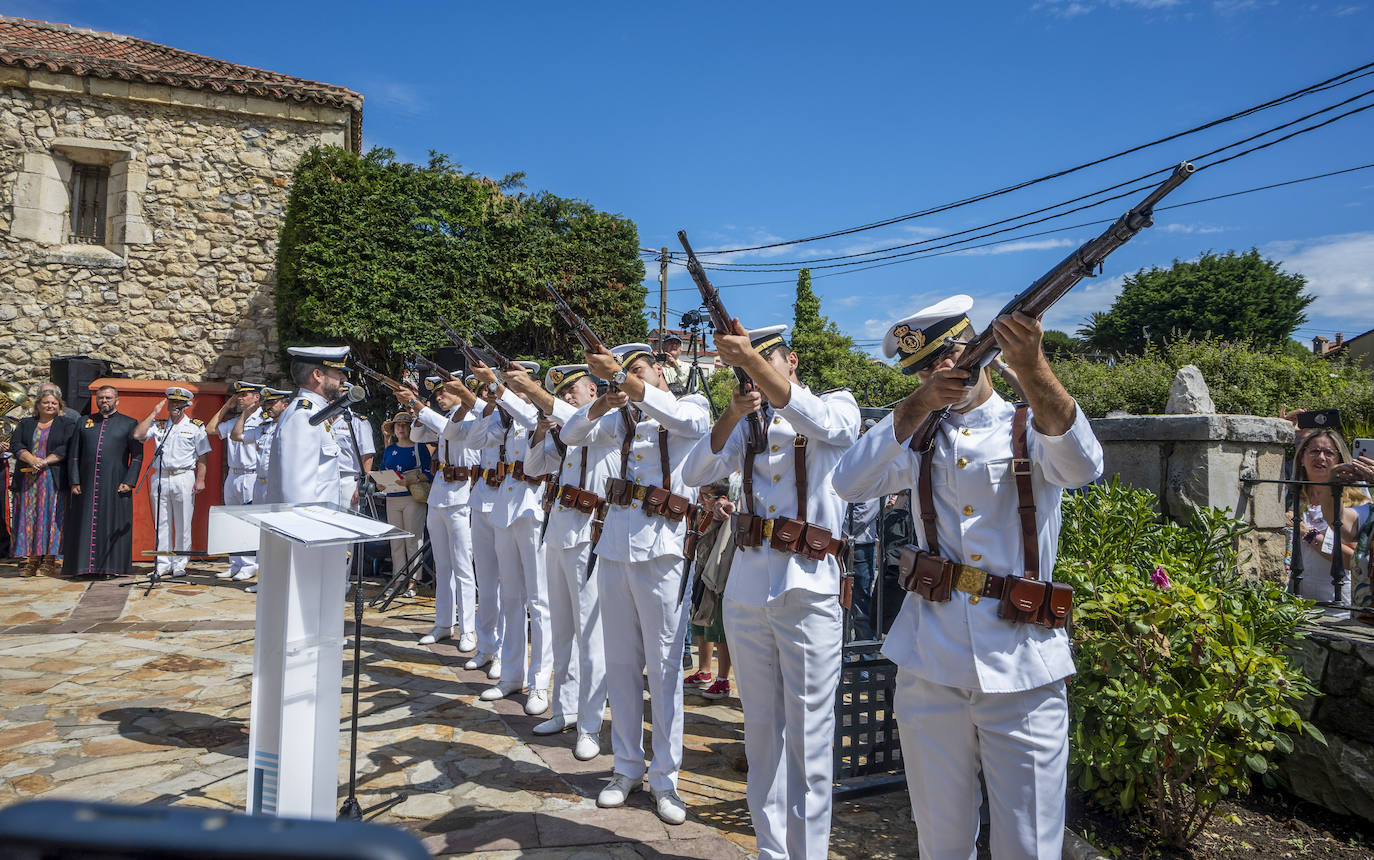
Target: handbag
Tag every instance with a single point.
(419, 489)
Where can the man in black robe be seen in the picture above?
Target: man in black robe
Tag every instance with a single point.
(105, 461)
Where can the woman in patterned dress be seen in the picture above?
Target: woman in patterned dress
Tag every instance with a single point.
(40, 499)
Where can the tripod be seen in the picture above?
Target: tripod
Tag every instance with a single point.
(696, 377)
(351, 808)
(401, 579)
(154, 578)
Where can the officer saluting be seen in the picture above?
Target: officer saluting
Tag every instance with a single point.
(180, 474)
(782, 611)
(240, 408)
(304, 457)
(980, 647)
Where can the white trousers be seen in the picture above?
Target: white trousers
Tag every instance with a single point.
(405, 513)
(579, 654)
(1021, 743)
(348, 485)
(488, 576)
(174, 502)
(787, 661)
(455, 585)
(524, 592)
(238, 490)
(643, 626)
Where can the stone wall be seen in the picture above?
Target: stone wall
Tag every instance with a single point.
(183, 286)
(1339, 775)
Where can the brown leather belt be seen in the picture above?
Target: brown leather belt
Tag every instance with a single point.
(1020, 598)
(672, 507)
(787, 535)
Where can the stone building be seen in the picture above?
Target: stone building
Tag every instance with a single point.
(142, 190)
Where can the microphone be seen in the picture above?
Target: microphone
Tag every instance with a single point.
(351, 394)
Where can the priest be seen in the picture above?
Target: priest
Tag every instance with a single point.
(105, 461)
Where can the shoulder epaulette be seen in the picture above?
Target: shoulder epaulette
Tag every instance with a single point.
(304, 403)
(197, 422)
(161, 422)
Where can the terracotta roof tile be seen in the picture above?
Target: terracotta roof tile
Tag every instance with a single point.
(39, 45)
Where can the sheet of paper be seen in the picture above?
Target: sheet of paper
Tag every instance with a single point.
(355, 524)
(305, 528)
(388, 481)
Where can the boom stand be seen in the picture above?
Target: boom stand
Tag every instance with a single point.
(154, 578)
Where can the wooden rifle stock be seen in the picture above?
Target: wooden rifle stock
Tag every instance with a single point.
(382, 378)
(1040, 296)
(583, 332)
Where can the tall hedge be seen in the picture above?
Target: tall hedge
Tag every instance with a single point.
(372, 247)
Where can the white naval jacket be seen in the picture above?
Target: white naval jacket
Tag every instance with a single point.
(451, 439)
(514, 499)
(628, 535)
(241, 457)
(185, 442)
(830, 423)
(260, 437)
(959, 643)
(304, 459)
(569, 527)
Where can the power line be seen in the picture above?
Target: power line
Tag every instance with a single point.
(1338, 80)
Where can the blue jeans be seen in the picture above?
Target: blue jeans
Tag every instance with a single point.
(861, 625)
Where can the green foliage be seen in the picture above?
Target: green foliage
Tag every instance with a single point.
(1244, 380)
(1184, 690)
(828, 359)
(1231, 296)
(371, 248)
(1058, 343)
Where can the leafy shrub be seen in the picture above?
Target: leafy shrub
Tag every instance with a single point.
(1244, 380)
(1184, 689)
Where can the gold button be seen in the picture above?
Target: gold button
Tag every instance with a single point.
(977, 556)
(638, 457)
(968, 510)
(634, 504)
(637, 436)
(961, 462)
(965, 431)
(775, 448)
(777, 420)
(771, 509)
(777, 478)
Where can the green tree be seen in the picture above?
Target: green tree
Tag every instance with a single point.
(372, 248)
(1238, 297)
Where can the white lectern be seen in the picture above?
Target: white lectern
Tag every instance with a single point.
(293, 731)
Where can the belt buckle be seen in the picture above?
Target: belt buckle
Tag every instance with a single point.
(768, 529)
(639, 492)
(1020, 467)
(972, 581)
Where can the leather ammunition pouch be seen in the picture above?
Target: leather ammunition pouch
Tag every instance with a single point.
(1035, 601)
(618, 491)
(454, 474)
(787, 534)
(930, 576)
(748, 531)
(847, 590)
(578, 499)
(495, 476)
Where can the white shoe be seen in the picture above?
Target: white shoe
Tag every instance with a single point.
(252, 589)
(670, 808)
(244, 574)
(500, 691)
(480, 659)
(537, 703)
(617, 790)
(436, 634)
(224, 574)
(468, 642)
(494, 671)
(588, 746)
(554, 725)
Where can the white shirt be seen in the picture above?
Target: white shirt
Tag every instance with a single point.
(628, 535)
(515, 499)
(304, 459)
(762, 575)
(185, 442)
(241, 457)
(569, 527)
(958, 643)
(451, 437)
(261, 439)
(359, 429)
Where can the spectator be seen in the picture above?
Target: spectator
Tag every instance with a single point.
(1315, 459)
(861, 529)
(1360, 471)
(715, 549)
(41, 485)
(405, 509)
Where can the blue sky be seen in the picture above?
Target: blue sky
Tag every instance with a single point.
(750, 123)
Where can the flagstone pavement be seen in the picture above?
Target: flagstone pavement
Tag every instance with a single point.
(114, 694)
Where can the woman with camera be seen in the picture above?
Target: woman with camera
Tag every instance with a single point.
(1316, 459)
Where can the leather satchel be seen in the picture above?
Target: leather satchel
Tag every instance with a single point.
(930, 576)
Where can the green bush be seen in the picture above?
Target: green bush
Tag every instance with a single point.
(1184, 690)
(1244, 380)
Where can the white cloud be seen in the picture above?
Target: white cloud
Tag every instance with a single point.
(1192, 228)
(1340, 273)
(1016, 247)
(1074, 8)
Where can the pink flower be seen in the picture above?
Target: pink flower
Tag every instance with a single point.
(1160, 579)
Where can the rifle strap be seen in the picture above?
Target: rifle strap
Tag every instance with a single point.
(746, 485)
(799, 464)
(1025, 495)
(582, 475)
(625, 443)
(558, 443)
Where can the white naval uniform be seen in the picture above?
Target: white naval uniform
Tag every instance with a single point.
(579, 653)
(260, 437)
(350, 469)
(304, 458)
(783, 621)
(487, 570)
(450, 519)
(973, 690)
(239, 485)
(173, 489)
(639, 562)
(516, 517)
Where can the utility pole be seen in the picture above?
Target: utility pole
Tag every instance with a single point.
(662, 297)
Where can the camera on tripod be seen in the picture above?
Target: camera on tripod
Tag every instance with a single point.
(695, 319)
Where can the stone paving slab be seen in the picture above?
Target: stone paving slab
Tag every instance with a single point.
(115, 694)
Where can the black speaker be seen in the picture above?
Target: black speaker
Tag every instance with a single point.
(451, 358)
(74, 375)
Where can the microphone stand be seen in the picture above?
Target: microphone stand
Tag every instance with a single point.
(353, 810)
(154, 578)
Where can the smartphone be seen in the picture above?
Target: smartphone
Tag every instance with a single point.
(1362, 448)
(1327, 419)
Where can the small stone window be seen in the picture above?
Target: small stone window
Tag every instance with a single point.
(89, 183)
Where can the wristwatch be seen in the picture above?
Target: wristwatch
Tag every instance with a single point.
(618, 377)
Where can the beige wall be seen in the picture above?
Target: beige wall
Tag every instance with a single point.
(183, 287)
